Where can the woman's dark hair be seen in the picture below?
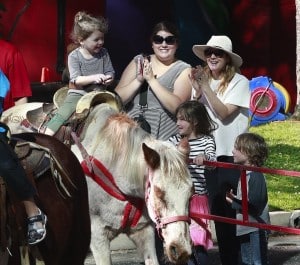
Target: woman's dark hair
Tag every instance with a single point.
(165, 26)
(195, 113)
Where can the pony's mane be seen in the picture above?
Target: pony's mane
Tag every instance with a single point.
(128, 137)
(120, 141)
(172, 162)
(122, 138)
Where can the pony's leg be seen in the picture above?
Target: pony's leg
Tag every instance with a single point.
(100, 244)
(24, 255)
(145, 242)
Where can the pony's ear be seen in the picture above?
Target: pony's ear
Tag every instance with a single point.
(151, 156)
(184, 147)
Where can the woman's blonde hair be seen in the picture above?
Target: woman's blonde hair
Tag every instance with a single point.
(229, 73)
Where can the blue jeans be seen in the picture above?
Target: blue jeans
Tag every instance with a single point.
(13, 173)
(254, 248)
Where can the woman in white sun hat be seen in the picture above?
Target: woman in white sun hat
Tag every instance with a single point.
(225, 92)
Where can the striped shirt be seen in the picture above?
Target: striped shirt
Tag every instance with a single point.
(203, 145)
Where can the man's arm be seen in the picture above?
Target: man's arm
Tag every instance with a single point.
(20, 101)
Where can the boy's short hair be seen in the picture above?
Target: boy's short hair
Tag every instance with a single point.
(254, 147)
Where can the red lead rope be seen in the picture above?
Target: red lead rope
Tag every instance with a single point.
(100, 174)
(103, 178)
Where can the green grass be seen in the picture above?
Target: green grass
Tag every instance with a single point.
(283, 139)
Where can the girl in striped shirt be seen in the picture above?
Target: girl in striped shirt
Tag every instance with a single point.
(195, 124)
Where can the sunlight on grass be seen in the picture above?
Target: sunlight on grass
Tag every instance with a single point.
(283, 139)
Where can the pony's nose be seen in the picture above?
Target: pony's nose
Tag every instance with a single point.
(177, 254)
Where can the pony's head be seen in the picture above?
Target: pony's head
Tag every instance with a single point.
(168, 190)
(145, 167)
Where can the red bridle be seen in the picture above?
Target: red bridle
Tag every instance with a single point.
(160, 222)
(99, 173)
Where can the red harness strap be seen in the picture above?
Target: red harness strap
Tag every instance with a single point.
(103, 178)
(99, 173)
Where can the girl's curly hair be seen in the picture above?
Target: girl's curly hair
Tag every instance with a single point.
(85, 24)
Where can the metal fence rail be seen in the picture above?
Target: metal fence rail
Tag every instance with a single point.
(245, 222)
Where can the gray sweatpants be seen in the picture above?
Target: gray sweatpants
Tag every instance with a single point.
(64, 112)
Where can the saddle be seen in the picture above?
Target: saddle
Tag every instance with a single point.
(37, 118)
(37, 159)
(34, 158)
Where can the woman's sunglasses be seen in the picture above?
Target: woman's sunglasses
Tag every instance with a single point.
(170, 40)
(217, 52)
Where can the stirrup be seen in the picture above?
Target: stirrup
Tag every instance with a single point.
(42, 129)
(36, 234)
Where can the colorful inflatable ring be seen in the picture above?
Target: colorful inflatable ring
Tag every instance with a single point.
(286, 95)
(267, 102)
(264, 103)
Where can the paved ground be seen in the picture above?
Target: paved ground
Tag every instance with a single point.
(283, 250)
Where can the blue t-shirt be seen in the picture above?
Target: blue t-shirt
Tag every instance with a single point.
(4, 87)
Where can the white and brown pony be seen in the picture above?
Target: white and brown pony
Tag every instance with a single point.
(132, 179)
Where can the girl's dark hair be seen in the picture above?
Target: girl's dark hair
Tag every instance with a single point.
(165, 26)
(253, 146)
(85, 24)
(195, 113)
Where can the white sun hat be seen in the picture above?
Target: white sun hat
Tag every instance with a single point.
(220, 42)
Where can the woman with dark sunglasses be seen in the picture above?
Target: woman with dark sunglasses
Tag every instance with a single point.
(225, 92)
(162, 78)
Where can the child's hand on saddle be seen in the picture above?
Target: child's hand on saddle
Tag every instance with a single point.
(107, 80)
(100, 79)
